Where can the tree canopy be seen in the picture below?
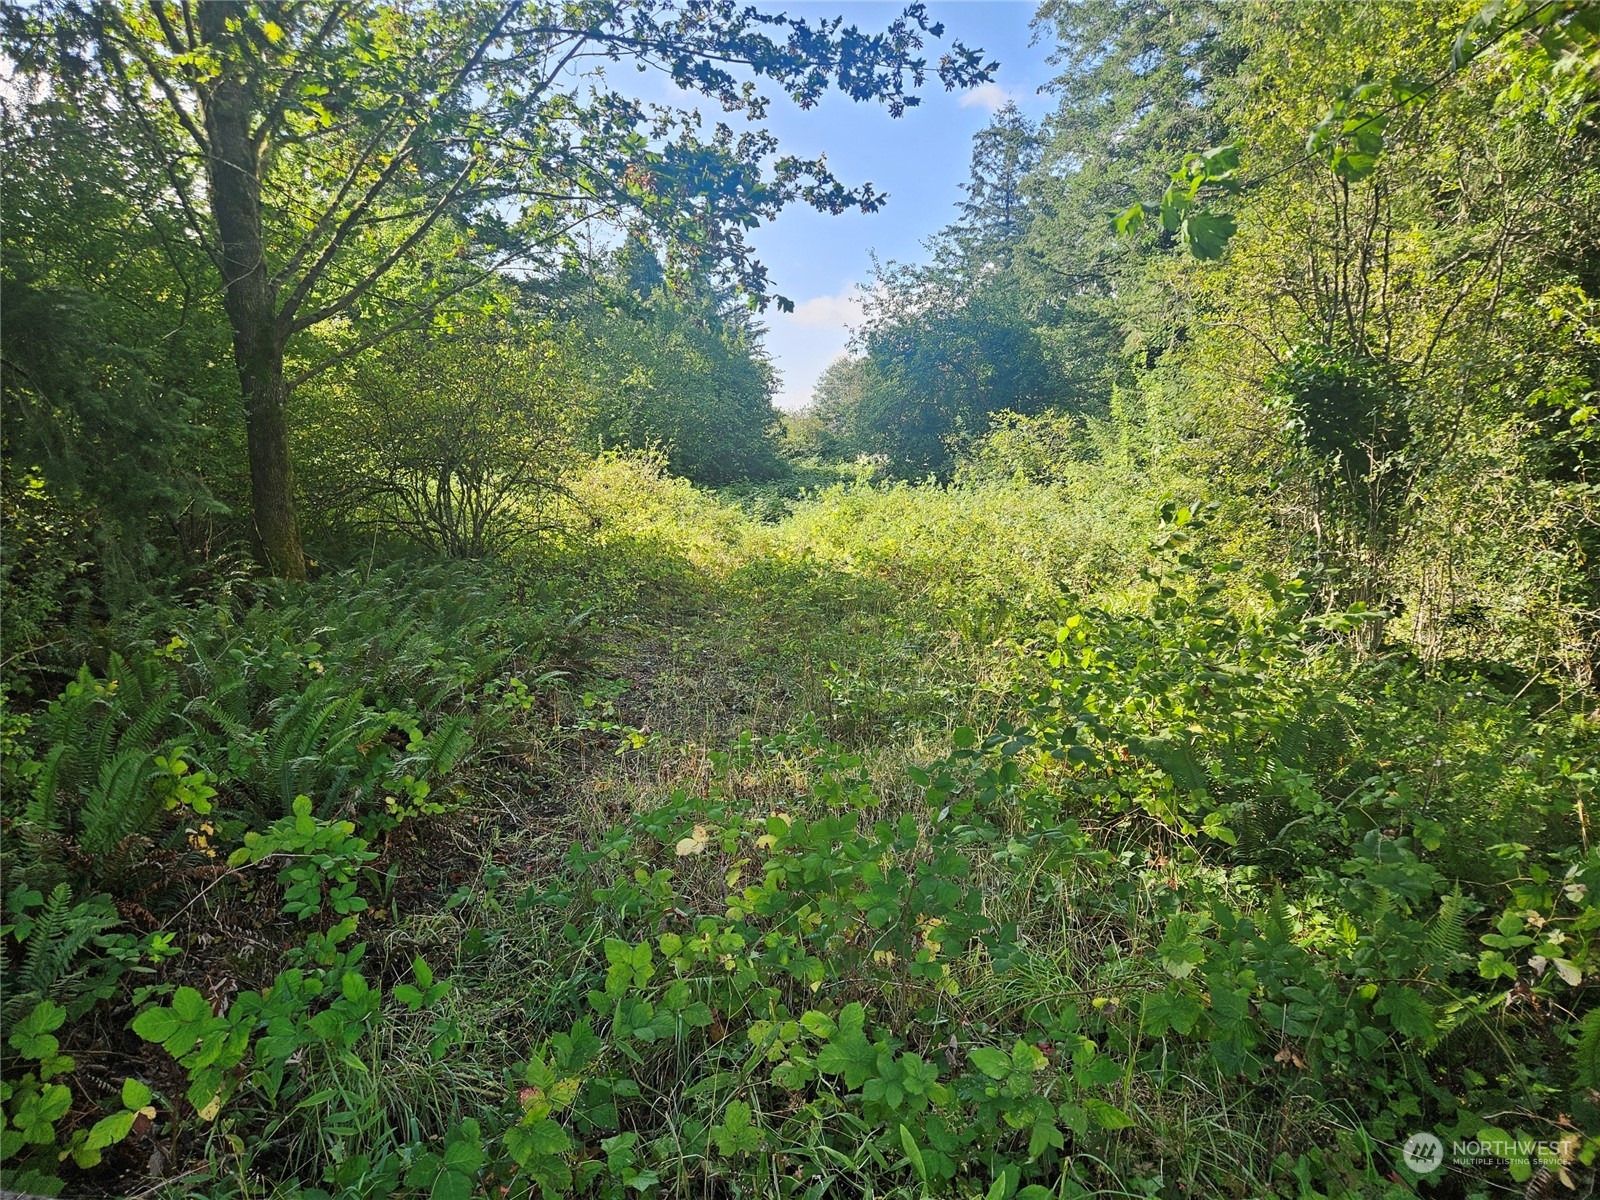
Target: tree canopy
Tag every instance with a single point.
(322, 153)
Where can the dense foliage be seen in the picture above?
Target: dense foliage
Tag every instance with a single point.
(1135, 736)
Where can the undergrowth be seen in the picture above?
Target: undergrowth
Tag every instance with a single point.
(924, 842)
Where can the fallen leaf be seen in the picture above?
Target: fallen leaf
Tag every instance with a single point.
(695, 843)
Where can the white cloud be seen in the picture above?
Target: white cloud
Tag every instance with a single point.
(791, 401)
(987, 95)
(839, 311)
(804, 342)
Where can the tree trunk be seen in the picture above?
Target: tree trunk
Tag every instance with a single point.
(272, 507)
(233, 169)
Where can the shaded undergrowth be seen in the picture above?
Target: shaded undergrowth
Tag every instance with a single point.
(850, 855)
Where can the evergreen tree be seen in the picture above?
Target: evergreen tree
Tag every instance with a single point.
(675, 362)
(1140, 85)
(995, 212)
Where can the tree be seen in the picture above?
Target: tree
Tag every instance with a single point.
(314, 147)
(994, 213)
(672, 365)
(1140, 83)
(1380, 356)
(948, 345)
(455, 438)
(836, 398)
(109, 324)
(944, 354)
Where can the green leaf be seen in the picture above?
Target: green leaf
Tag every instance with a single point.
(850, 1055)
(736, 1135)
(1173, 206)
(1220, 161)
(31, 1036)
(909, 1144)
(1353, 166)
(190, 1006)
(135, 1095)
(1406, 1010)
(1044, 1136)
(833, 1059)
(408, 995)
(817, 1024)
(48, 1106)
(1027, 1059)
(1107, 1116)
(1206, 235)
(451, 1185)
(1180, 950)
(1495, 1139)
(110, 1130)
(996, 1064)
(698, 1015)
(463, 1149)
(1129, 220)
(1173, 1008)
(546, 1136)
(1212, 826)
(1075, 1117)
(853, 1018)
(1586, 1057)
(157, 1024)
(1494, 965)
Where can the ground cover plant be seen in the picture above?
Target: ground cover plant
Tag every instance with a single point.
(1134, 736)
(1039, 917)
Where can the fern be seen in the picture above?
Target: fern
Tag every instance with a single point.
(1586, 1057)
(54, 940)
(104, 719)
(1444, 947)
(1277, 925)
(144, 696)
(43, 809)
(314, 745)
(221, 693)
(1385, 928)
(98, 734)
(449, 744)
(122, 804)
(73, 721)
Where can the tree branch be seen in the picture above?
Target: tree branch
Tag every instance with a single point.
(286, 317)
(174, 101)
(289, 324)
(289, 86)
(411, 321)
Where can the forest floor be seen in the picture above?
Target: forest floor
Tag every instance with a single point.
(735, 674)
(783, 866)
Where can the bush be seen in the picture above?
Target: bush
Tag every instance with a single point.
(455, 442)
(296, 731)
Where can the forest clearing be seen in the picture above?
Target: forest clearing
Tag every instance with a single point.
(1131, 732)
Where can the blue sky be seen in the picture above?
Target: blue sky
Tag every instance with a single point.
(921, 160)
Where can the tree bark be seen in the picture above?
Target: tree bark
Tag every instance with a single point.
(233, 169)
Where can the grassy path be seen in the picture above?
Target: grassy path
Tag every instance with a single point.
(669, 685)
(793, 943)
